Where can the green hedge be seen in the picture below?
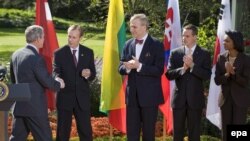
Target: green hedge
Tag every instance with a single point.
(23, 18)
(16, 18)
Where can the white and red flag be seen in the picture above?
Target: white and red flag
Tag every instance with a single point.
(44, 19)
(172, 39)
(213, 111)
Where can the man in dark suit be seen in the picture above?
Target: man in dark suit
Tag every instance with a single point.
(190, 66)
(143, 61)
(27, 66)
(74, 63)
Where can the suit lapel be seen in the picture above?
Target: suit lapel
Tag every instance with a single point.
(81, 56)
(145, 49)
(69, 55)
(196, 54)
(132, 48)
(238, 61)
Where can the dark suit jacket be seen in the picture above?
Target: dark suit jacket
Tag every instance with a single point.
(147, 82)
(27, 66)
(76, 86)
(189, 87)
(237, 85)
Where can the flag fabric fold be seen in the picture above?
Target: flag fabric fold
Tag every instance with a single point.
(172, 39)
(213, 113)
(113, 86)
(44, 19)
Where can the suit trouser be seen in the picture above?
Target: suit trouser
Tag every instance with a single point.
(193, 117)
(231, 114)
(83, 123)
(141, 118)
(37, 125)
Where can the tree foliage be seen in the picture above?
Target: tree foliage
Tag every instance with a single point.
(18, 4)
(71, 9)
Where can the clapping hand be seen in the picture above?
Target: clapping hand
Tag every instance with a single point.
(229, 68)
(188, 61)
(132, 64)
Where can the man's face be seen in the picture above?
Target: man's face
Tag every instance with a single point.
(74, 38)
(40, 42)
(188, 38)
(137, 29)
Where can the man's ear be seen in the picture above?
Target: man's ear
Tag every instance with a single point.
(196, 37)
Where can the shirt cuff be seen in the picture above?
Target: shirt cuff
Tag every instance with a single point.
(182, 71)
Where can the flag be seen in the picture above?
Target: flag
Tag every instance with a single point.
(44, 19)
(112, 87)
(172, 39)
(213, 111)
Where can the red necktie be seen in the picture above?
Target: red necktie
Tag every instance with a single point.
(138, 41)
(74, 57)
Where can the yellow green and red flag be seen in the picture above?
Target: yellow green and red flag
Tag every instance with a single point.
(112, 86)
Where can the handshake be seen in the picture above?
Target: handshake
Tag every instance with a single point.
(60, 80)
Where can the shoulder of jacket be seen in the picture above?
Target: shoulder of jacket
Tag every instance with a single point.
(178, 49)
(85, 48)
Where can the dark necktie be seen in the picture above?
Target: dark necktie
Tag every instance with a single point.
(138, 41)
(74, 57)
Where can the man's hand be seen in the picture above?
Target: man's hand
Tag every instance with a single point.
(132, 64)
(188, 61)
(136, 63)
(60, 80)
(86, 73)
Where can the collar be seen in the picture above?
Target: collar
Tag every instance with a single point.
(77, 48)
(192, 48)
(28, 44)
(144, 38)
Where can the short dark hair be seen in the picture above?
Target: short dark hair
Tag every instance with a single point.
(191, 27)
(237, 39)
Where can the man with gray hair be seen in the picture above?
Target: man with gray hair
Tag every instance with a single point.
(143, 62)
(27, 66)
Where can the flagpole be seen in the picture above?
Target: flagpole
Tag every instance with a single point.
(164, 128)
(213, 113)
(110, 132)
(172, 40)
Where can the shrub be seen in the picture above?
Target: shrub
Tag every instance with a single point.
(16, 18)
(24, 18)
(95, 87)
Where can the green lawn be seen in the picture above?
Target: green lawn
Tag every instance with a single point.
(13, 38)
